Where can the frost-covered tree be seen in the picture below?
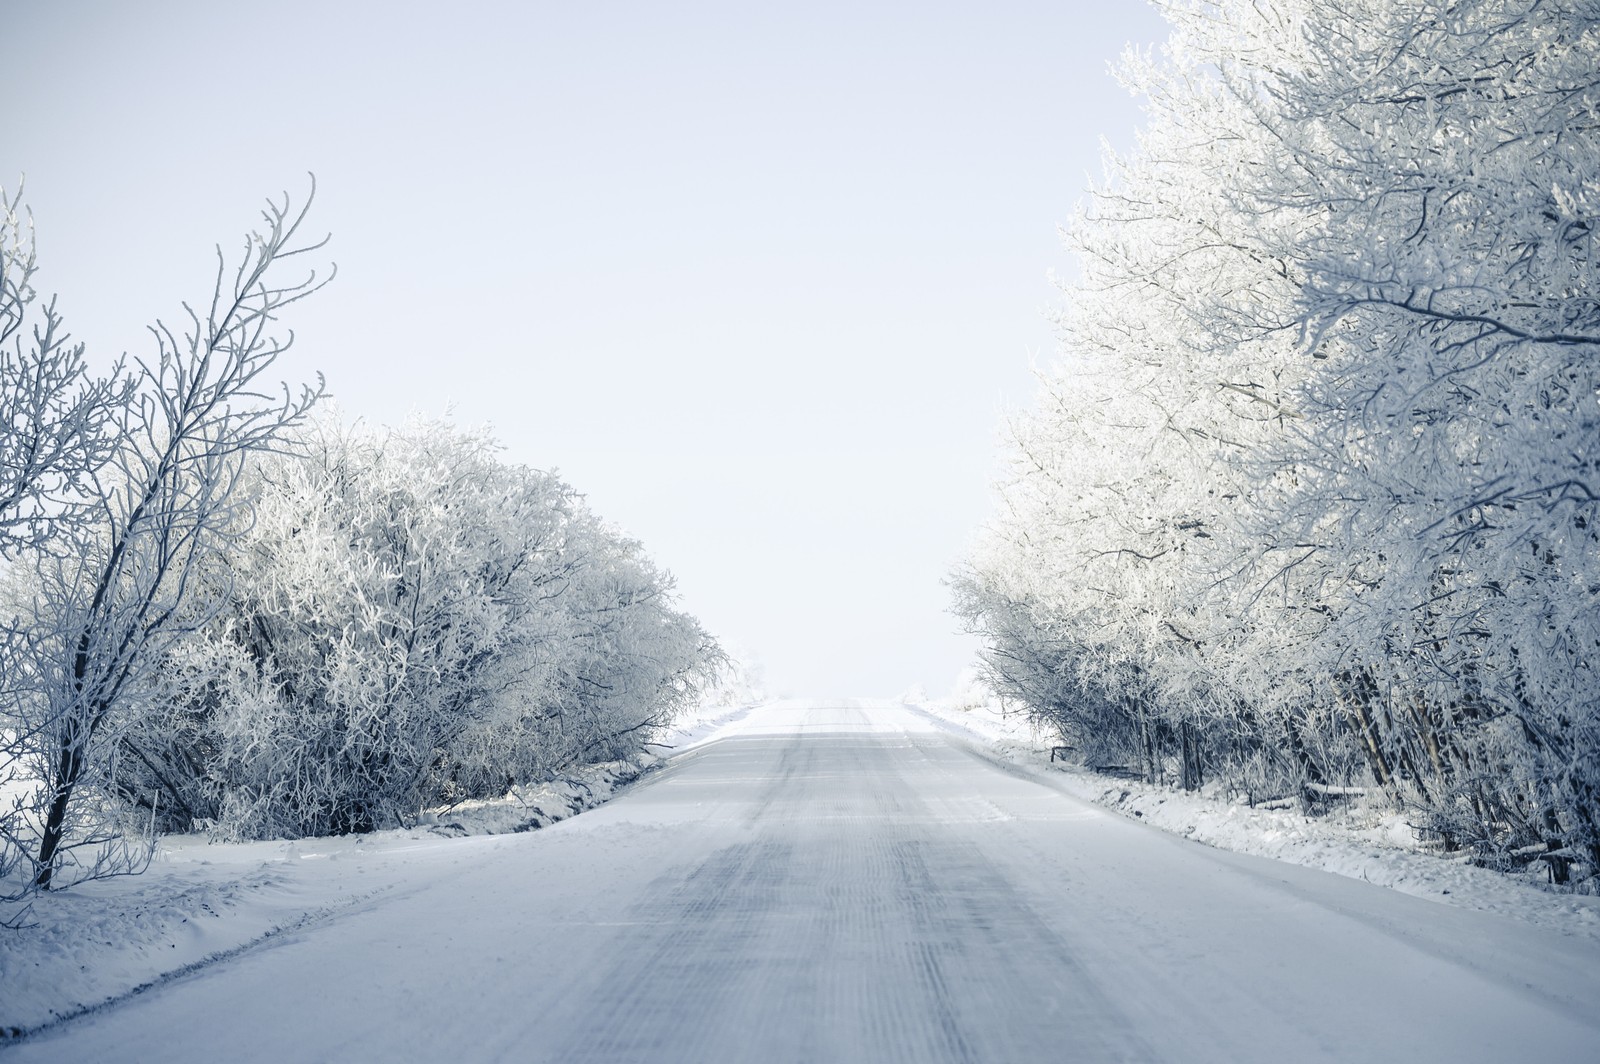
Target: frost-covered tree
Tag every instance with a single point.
(1119, 513)
(54, 440)
(54, 415)
(634, 660)
(115, 591)
(1312, 480)
(1451, 292)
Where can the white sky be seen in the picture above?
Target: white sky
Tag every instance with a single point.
(760, 280)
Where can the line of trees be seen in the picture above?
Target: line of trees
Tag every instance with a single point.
(1310, 501)
(218, 611)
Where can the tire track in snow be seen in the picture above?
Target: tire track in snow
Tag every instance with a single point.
(861, 923)
(661, 995)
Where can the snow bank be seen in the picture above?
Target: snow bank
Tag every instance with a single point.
(1363, 842)
(98, 943)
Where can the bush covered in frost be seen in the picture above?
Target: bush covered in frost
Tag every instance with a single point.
(409, 621)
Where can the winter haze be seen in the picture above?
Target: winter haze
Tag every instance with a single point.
(760, 282)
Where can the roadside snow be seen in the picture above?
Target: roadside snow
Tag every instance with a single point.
(1363, 842)
(100, 943)
(846, 881)
(84, 948)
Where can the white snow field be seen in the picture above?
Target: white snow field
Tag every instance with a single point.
(845, 882)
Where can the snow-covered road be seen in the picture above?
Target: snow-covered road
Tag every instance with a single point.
(845, 882)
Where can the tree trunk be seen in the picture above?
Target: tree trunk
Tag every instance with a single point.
(1352, 695)
(69, 770)
(1190, 752)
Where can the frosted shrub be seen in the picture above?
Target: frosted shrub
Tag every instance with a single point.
(411, 621)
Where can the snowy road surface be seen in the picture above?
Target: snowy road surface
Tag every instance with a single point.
(844, 882)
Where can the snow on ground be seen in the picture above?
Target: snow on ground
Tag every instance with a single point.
(1365, 842)
(97, 943)
(845, 881)
(103, 942)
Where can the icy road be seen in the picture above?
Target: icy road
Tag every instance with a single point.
(845, 882)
